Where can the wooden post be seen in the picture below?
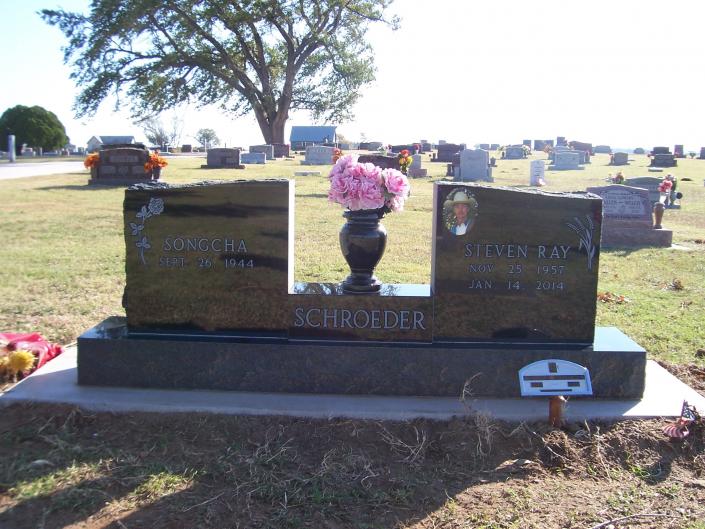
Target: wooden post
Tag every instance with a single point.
(555, 411)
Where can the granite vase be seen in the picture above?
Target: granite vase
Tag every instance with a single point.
(363, 239)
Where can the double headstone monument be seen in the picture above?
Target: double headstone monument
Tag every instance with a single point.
(474, 166)
(281, 150)
(670, 200)
(211, 302)
(628, 218)
(121, 165)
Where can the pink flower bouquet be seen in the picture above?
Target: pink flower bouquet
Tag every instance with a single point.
(359, 186)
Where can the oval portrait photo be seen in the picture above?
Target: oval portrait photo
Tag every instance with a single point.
(459, 211)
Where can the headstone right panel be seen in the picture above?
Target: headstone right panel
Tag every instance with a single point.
(514, 265)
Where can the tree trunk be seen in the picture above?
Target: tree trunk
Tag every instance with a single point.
(272, 131)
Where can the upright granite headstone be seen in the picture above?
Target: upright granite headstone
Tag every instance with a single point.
(318, 155)
(603, 149)
(514, 265)
(627, 218)
(11, 152)
(537, 173)
(651, 184)
(268, 150)
(514, 152)
(566, 160)
(527, 143)
(223, 158)
(120, 166)
(474, 166)
(494, 146)
(539, 145)
(447, 150)
(380, 160)
(415, 169)
(561, 142)
(209, 256)
(663, 160)
(702, 154)
(678, 151)
(281, 150)
(620, 158)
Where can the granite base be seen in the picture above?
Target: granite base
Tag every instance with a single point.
(109, 355)
(118, 181)
(636, 238)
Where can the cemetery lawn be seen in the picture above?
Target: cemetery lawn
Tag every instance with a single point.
(63, 266)
(63, 272)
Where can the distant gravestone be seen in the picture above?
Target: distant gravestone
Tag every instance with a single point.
(380, 160)
(318, 155)
(566, 160)
(253, 158)
(620, 158)
(627, 218)
(537, 173)
(415, 169)
(603, 149)
(484, 146)
(514, 152)
(11, 152)
(678, 151)
(408, 147)
(661, 150)
(663, 160)
(426, 147)
(120, 166)
(527, 143)
(223, 158)
(539, 145)
(560, 141)
(281, 150)
(651, 184)
(494, 146)
(186, 148)
(514, 264)
(702, 153)
(639, 150)
(447, 150)
(268, 150)
(193, 249)
(474, 166)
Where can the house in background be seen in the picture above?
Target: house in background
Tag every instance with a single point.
(301, 137)
(96, 142)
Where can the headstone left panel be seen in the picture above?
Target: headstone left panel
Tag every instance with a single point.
(209, 256)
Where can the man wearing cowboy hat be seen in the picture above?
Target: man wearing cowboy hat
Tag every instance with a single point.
(461, 208)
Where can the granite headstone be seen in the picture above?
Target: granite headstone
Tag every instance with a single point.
(318, 155)
(474, 166)
(514, 265)
(223, 158)
(627, 218)
(253, 158)
(268, 150)
(120, 166)
(537, 173)
(209, 256)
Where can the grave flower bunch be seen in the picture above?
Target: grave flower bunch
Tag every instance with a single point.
(404, 161)
(154, 161)
(665, 186)
(365, 186)
(92, 160)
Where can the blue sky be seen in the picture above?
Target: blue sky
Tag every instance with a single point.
(625, 73)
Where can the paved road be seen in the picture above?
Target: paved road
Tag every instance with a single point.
(22, 170)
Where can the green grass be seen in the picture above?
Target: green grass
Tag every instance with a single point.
(63, 252)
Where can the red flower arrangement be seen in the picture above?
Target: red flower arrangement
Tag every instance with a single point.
(404, 161)
(337, 153)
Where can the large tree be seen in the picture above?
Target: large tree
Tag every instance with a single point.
(265, 56)
(34, 126)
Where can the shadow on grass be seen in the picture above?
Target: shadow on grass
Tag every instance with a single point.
(158, 470)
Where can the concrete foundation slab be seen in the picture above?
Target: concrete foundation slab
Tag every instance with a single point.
(56, 383)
